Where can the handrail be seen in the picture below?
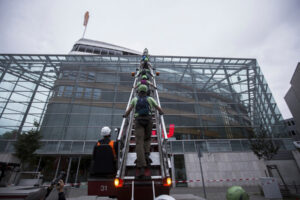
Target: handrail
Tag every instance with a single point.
(162, 141)
(123, 122)
(126, 127)
(161, 117)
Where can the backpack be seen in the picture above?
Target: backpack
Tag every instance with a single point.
(145, 65)
(142, 106)
(144, 82)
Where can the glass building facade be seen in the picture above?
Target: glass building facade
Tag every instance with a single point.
(212, 102)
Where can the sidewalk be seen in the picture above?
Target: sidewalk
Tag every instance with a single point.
(213, 193)
(179, 193)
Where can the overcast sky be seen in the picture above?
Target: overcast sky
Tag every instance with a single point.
(268, 30)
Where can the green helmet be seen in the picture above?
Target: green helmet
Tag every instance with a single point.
(144, 77)
(236, 193)
(142, 88)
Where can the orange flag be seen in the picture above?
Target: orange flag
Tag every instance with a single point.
(86, 18)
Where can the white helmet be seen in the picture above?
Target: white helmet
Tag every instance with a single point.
(145, 52)
(164, 197)
(105, 131)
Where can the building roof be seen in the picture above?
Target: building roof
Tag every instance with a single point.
(105, 45)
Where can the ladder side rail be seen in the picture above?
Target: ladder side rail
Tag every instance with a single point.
(124, 140)
(128, 104)
(121, 170)
(162, 140)
(158, 133)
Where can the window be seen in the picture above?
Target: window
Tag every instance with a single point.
(97, 51)
(293, 133)
(83, 76)
(89, 50)
(66, 74)
(97, 94)
(79, 92)
(111, 52)
(88, 93)
(75, 47)
(73, 75)
(68, 91)
(60, 91)
(104, 52)
(81, 48)
(289, 124)
(91, 76)
(292, 122)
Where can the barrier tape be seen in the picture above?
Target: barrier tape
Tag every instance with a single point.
(191, 181)
(72, 184)
(218, 180)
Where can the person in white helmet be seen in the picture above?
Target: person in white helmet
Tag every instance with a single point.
(164, 197)
(105, 155)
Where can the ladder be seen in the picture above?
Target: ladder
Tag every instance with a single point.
(158, 175)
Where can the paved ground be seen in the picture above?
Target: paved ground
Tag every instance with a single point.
(177, 193)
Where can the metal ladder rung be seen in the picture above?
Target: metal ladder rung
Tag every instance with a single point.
(152, 144)
(133, 177)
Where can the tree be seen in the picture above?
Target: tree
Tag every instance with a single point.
(263, 146)
(27, 143)
(9, 134)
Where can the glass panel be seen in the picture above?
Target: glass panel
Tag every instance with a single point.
(88, 93)
(177, 147)
(52, 146)
(202, 145)
(65, 147)
(10, 147)
(236, 145)
(3, 146)
(79, 92)
(180, 173)
(73, 170)
(89, 146)
(68, 91)
(97, 94)
(60, 91)
(48, 167)
(85, 164)
(189, 146)
(288, 143)
(246, 145)
(77, 147)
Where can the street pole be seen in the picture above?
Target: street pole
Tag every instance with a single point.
(199, 156)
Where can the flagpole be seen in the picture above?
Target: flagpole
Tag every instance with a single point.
(84, 32)
(85, 22)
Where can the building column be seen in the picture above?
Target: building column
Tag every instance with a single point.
(173, 171)
(78, 166)
(57, 167)
(68, 171)
(31, 99)
(38, 166)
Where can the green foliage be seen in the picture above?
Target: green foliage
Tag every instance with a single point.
(27, 143)
(263, 146)
(9, 135)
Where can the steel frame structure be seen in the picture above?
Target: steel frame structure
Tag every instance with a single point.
(35, 76)
(29, 81)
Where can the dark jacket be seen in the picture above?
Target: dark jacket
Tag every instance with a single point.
(104, 162)
(61, 196)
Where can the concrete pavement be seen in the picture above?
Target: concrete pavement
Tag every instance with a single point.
(179, 193)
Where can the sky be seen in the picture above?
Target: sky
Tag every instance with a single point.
(268, 30)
